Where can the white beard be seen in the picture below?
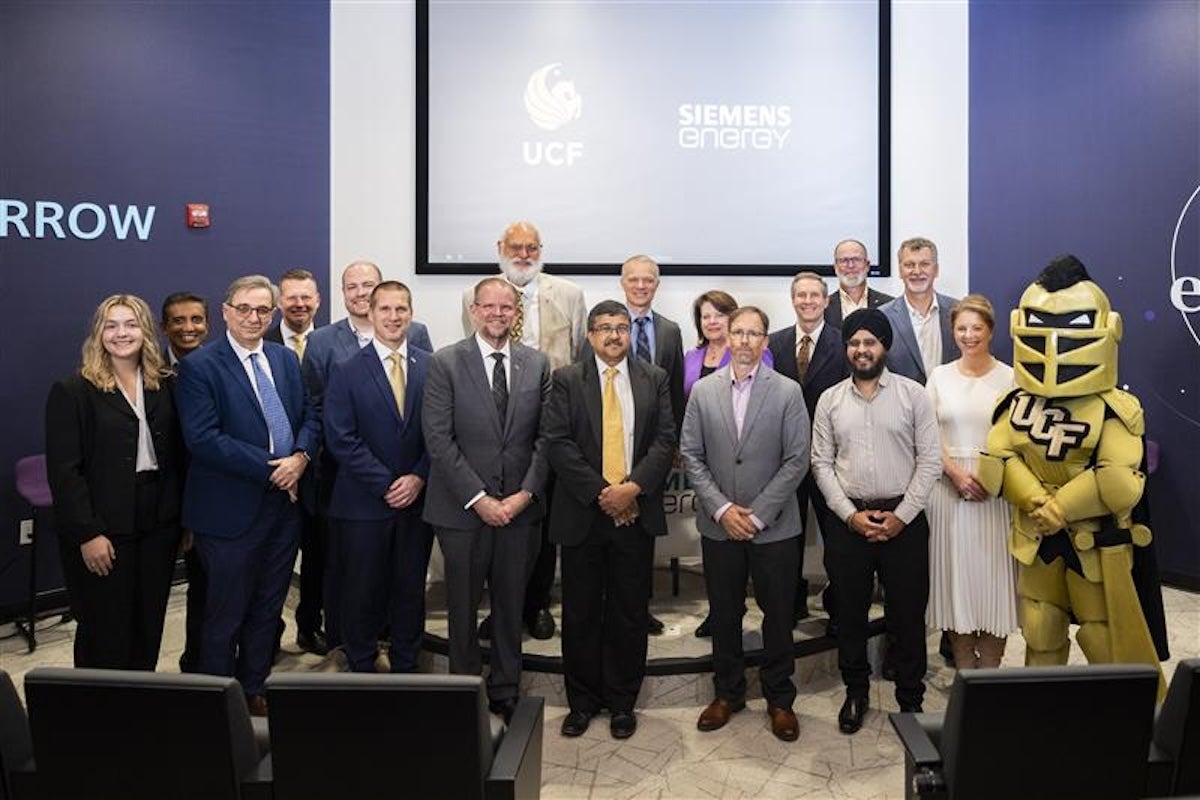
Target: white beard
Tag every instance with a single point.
(517, 274)
(853, 281)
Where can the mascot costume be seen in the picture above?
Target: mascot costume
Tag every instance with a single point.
(1066, 450)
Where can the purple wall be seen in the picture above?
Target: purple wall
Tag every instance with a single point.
(147, 104)
(1085, 138)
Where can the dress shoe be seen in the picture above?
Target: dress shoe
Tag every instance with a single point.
(911, 708)
(802, 613)
(654, 625)
(485, 628)
(850, 718)
(313, 642)
(576, 723)
(622, 725)
(257, 705)
(718, 713)
(831, 629)
(541, 626)
(704, 631)
(504, 709)
(784, 724)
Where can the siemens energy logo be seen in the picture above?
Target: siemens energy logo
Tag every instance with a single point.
(1185, 263)
(82, 221)
(551, 103)
(717, 126)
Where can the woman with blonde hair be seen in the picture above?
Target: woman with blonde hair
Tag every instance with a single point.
(113, 456)
(971, 589)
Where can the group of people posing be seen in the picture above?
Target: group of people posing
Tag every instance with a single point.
(548, 426)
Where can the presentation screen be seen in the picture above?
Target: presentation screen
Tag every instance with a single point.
(717, 137)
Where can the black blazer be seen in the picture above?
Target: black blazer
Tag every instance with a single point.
(833, 311)
(827, 366)
(574, 434)
(91, 456)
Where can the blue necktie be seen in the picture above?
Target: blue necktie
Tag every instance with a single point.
(643, 341)
(272, 406)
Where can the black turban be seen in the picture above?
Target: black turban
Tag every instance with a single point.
(871, 319)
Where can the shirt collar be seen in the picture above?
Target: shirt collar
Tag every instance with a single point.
(288, 333)
(746, 380)
(241, 352)
(383, 351)
(933, 308)
(486, 349)
(816, 334)
(622, 368)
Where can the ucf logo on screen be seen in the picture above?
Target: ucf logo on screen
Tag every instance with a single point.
(552, 104)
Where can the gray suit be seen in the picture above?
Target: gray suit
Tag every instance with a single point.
(472, 450)
(904, 356)
(760, 470)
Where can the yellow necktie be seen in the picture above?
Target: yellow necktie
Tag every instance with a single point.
(396, 379)
(300, 337)
(613, 455)
(518, 328)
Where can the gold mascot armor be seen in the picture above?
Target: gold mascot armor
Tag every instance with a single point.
(1066, 450)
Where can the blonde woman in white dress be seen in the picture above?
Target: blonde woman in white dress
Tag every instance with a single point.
(971, 592)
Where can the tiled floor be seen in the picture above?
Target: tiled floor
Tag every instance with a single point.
(668, 757)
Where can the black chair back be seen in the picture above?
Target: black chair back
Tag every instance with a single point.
(16, 747)
(357, 735)
(138, 735)
(1049, 732)
(1178, 728)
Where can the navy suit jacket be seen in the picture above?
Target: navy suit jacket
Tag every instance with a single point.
(418, 335)
(226, 434)
(827, 366)
(904, 356)
(367, 437)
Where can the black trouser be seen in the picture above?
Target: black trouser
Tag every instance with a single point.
(313, 548)
(727, 564)
(197, 588)
(902, 565)
(120, 615)
(541, 580)
(804, 493)
(605, 589)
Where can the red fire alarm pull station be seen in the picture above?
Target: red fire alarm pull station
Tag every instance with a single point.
(197, 215)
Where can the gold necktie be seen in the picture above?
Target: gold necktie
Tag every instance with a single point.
(613, 455)
(518, 328)
(299, 340)
(803, 356)
(396, 379)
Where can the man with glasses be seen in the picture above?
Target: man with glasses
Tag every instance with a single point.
(745, 446)
(550, 318)
(851, 264)
(250, 429)
(610, 434)
(481, 415)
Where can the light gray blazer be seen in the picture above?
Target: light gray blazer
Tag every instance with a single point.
(470, 448)
(904, 356)
(763, 468)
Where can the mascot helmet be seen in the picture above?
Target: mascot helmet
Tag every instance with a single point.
(1065, 334)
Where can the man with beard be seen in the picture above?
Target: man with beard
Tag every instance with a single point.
(551, 318)
(851, 264)
(876, 455)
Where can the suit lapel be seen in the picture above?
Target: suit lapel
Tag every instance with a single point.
(725, 402)
(416, 381)
(787, 355)
(758, 392)
(903, 329)
(517, 378)
(643, 402)
(380, 380)
(824, 348)
(228, 361)
(592, 401)
(472, 365)
(659, 344)
(116, 399)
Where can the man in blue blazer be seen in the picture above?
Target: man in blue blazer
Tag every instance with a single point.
(373, 431)
(920, 318)
(327, 346)
(250, 429)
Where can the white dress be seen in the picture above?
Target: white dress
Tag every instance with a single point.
(971, 584)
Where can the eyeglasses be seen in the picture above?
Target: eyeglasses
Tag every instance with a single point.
(530, 249)
(753, 336)
(605, 330)
(244, 310)
(850, 261)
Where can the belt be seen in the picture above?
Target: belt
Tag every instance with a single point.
(880, 504)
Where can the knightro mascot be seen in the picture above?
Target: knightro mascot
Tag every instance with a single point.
(1066, 450)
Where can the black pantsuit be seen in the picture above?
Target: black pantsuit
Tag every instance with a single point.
(773, 566)
(606, 579)
(91, 458)
(902, 564)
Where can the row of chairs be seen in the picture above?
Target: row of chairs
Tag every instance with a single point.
(102, 734)
(1057, 732)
